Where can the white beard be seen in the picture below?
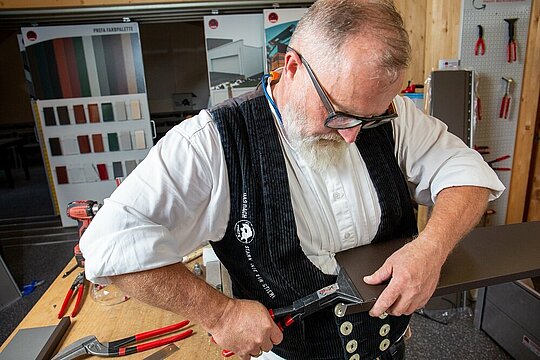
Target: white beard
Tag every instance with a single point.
(319, 151)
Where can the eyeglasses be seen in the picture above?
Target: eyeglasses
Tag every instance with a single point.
(343, 120)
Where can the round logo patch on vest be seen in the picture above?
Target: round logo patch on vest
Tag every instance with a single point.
(244, 230)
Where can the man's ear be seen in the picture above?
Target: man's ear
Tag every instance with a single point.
(292, 63)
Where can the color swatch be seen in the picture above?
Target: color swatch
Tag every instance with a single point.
(66, 67)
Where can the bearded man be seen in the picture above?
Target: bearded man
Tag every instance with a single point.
(322, 159)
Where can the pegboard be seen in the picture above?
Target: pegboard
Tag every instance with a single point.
(498, 134)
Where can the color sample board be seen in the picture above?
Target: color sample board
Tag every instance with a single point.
(91, 104)
(493, 131)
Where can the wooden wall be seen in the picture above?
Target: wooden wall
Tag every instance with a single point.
(524, 196)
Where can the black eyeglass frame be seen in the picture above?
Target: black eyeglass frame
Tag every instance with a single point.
(333, 115)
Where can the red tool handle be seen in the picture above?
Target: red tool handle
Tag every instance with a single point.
(287, 321)
(512, 51)
(154, 344)
(502, 169)
(500, 159)
(80, 292)
(65, 304)
(163, 330)
(501, 111)
(507, 107)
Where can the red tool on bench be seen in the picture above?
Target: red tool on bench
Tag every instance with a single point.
(90, 345)
(76, 288)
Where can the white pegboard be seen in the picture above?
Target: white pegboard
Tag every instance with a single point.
(498, 134)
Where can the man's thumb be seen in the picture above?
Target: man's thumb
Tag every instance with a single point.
(382, 274)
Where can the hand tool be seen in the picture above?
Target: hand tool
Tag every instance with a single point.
(505, 102)
(512, 46)
(163, 353)
(90, 345)
(501, 158)
(411, 88)
(76, 287)
(480, 47)
(192, 256)
(70, 270)
(83, 211)
(342, 291)
(483, 150)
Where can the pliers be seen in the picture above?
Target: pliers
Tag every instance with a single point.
(343, 291)
(505, 102)
(490, 163)
(480, 47)
(512, 46)
(76, 287)
(90, 345)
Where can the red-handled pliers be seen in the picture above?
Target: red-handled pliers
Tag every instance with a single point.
(76, 287)
(512, 46)
(282, 317)
(490, 163)
(480, 47)
(90, 345)
(343, 291)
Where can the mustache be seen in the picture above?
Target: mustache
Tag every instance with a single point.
(324, 139)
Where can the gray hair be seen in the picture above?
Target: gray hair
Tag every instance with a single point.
(329, 24)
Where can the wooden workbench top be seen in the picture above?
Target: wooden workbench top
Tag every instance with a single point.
(113, 322)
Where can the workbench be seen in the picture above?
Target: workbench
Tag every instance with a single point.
(114, 322)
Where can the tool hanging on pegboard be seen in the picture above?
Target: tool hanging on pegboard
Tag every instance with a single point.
(512, 45)
(480, 46)
(499, 159)
(505, 102)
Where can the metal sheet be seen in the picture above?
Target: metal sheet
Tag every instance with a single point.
(487, 256)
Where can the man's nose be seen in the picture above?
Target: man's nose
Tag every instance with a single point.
(349, 135)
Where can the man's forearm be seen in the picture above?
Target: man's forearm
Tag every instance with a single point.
(457, 210)
(176, 289)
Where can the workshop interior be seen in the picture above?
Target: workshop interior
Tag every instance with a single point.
(89, 87)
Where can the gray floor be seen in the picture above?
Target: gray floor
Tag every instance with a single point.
(27, 263)
(457, 340)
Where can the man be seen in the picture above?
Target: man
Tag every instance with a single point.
(279, 183)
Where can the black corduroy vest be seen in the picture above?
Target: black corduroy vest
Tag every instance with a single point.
(261, 249)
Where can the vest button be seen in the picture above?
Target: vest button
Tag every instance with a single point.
(384, 344)
(346, 328)
(339, 310)
(383, 316)
(355, 357)
(384, 330)
(351, 346)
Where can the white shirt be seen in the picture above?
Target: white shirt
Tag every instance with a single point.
(178, 198)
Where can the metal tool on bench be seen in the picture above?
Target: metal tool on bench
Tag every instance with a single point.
(343, 292)
(83, 211)
(77, 288)
(90, 345)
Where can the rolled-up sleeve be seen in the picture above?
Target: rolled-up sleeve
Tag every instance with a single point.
(172, 203)
(433, 159)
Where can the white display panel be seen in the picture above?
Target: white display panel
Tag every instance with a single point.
(91, 107)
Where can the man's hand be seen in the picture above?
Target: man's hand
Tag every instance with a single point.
(413, 272)
(414, 269)
(246, 328)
